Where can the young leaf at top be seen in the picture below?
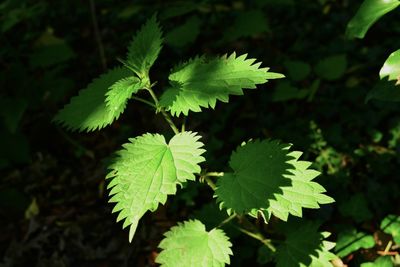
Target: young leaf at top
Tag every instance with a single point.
(145, 47)
(368, 13)
(201, 82)
(268, 179)
(89, 110)
(304, 246)
(148, 169)
(190, 245)
(391, 67)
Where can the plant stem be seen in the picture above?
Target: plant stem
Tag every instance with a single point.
(209, 182)
(230, 218)
(183, 127)
(388, 246)
(167, 117)
(215, 174)
(153, 95)
(254, 233)
(258, 236)
(97, 35)
(144, 101)
(76, 144)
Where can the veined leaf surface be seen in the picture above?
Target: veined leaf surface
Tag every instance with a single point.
(148, 169)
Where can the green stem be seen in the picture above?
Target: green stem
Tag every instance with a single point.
(97, 35)
(76, 144)
(214, 174)
(153, 95)
(183, 127)
(230, 218)
(388, 246)
(144, 101)
(167, 117)
(210, 182)
(258, 236)
(254, 233)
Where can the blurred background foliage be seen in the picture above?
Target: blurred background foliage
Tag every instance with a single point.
(53, 206)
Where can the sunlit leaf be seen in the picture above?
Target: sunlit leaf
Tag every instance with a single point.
(391, 67)
(201, 82)
(147, 170)
(368, 13)
(190, 245)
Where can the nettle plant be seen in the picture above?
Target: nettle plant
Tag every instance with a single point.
(266, 177)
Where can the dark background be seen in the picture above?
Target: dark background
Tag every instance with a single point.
(53, 202)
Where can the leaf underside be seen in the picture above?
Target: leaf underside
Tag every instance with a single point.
(148, 169)
(200, 82)
(89, 110)
(190, 245)
(269, 179)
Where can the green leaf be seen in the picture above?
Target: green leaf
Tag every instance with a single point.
(391, 225)
(368, 13)
(121, 91)
(184, 34)
(190, 245)
(304, 246)
(356, 207)
(14, 149)
(201, 82)
(49, 55)
(331, 68)
(384, 261)
(285, 91)
(264, 255)
(11, 112)
(176, 9)
(211, 215)
(391, 67)
(350, 240)
(384, 90)
(297, 70)
(148, 169)
(145, 47)
(89, 111)
(268, 179)
(247, 24)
